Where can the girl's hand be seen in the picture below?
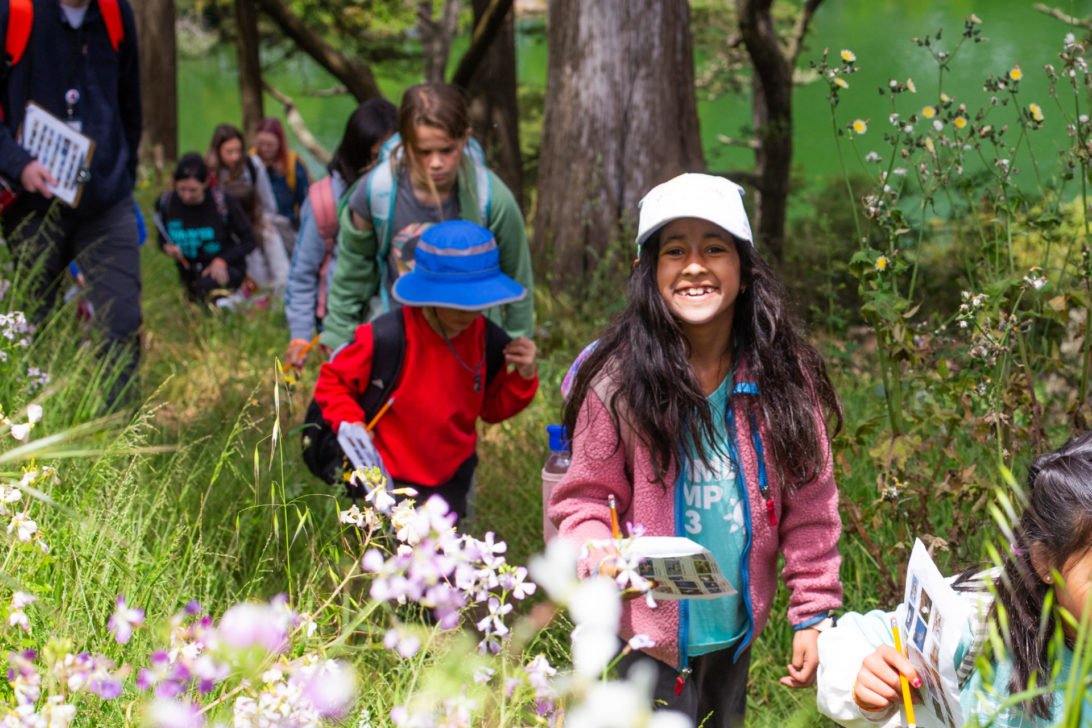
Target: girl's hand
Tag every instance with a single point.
(296, 354)
(805, 659)
(608, 567)
(173, 251)
(877, 685)
(217, 270)
(521, 353)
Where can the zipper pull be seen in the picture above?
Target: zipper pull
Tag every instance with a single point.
(770, 511)
(681, 680)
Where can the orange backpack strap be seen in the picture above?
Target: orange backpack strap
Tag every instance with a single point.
(20, 20)
(111, 15)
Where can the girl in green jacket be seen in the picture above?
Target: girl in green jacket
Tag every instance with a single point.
(431, 172)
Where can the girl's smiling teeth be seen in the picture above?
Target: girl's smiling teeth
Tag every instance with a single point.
(695, 291)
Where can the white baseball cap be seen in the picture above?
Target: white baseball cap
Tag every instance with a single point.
(704, 196)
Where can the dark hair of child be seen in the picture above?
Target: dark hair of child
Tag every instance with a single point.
(222, 133)
(662, 398)
(371, 123)
(191, 166)
(1058, 522)
(247, 197)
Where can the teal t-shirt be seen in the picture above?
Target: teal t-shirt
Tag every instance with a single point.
(713, 516)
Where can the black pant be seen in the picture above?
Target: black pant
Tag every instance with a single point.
(106, 247)
(200, 286)
(454, 491)
(716, 688)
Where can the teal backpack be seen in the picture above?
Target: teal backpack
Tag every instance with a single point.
(382, 191)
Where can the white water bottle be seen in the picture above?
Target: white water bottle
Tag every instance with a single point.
(557, 464)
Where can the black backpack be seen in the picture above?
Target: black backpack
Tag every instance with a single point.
(321, 452)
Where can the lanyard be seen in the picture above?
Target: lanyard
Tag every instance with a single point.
(79, 61)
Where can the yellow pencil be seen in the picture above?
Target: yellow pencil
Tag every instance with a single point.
(382, 411)
(310, 345)
(906, 701)
(614, 529)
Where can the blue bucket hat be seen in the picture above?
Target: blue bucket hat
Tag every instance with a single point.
(457, 265)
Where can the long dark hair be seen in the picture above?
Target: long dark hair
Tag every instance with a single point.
(222, 133)
(371, 123)
(1057, 523)
(661, 397)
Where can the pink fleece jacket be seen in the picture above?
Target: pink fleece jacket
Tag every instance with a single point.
(807, 530)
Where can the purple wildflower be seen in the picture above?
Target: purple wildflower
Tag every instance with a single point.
(123, 620)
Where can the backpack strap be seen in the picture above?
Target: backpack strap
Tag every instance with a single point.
(388, 352)
(381, 187)
(20, 21)
(290, 158)
(157, 215)
(483, 182)
(495, 341)
(111, 16)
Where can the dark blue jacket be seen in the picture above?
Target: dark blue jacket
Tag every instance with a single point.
(108, 82)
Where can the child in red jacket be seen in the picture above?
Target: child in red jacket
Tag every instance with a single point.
(427, 438)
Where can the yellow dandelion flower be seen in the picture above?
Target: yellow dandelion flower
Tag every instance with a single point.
(860, 126)
(910, 86)
(881, 263)
(929, 112)
(960, 122)
(1036, 112)
(840, 82)
(1016, 74)
(945, 98)
(929, 144)
(848, 56)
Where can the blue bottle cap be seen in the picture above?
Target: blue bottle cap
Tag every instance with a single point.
(558, 441)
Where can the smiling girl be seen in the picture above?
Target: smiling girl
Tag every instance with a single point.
(428, 178)
(701, 411)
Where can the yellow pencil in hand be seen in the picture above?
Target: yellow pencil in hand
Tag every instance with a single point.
(906, 701)
(382, 411)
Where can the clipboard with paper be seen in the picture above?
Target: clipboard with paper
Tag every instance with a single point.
(680, 567)
(62, 150)
(357, 445)
(930, 619)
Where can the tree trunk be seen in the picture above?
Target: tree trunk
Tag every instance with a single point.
(771, 114)
(356, 76)
(158, 81)
(620, 118)
(250, 68)
(494, 110)
(436, 36)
